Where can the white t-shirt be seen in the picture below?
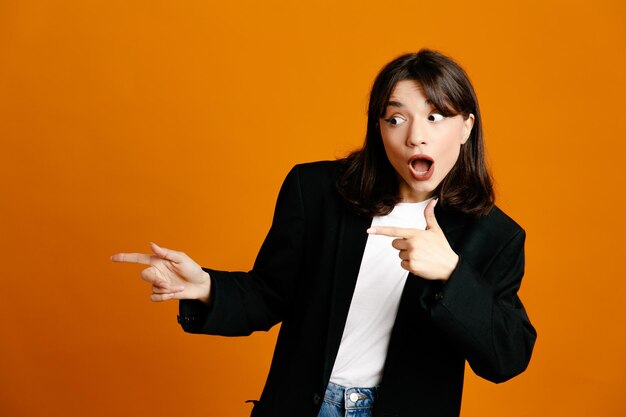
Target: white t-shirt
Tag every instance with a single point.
(375, 301)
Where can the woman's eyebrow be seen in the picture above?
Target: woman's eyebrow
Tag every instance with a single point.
(393, 103)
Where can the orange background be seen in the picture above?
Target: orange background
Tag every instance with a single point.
(124, 122)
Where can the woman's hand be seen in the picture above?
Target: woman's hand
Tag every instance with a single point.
(173, 274)
(424, 253)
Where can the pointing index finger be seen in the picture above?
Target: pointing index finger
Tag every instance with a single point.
(138, 258)
(391, 231)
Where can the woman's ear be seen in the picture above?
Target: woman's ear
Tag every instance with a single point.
(467, 127)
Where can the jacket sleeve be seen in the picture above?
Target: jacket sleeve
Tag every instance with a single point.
(243, 302)
(482, 313)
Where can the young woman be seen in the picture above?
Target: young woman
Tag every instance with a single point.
(388, 269)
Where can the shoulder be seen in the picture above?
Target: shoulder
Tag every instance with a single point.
(497, 228)
(319, 175)
(498, 220)
(495, 222)
(318, 169)
(480, 240)
(315, 182)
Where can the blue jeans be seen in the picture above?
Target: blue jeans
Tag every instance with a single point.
(340, 401)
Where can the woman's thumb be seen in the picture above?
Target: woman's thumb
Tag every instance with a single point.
(429, 215)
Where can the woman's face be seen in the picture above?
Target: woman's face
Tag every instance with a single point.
(421, 144)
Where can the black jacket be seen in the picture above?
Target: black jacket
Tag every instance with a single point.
(304, 277)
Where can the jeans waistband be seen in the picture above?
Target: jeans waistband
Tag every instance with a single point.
(350, 397)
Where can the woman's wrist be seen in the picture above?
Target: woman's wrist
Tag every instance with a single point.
(205, 289)
(454, 261)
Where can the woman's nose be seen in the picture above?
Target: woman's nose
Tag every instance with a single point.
(416, 134)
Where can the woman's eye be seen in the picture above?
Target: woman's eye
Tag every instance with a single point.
(435, 117)
(395, 120)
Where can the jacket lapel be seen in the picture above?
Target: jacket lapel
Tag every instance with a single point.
(352, 238)
(452, 223)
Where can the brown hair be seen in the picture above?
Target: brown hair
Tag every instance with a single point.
(369, 182)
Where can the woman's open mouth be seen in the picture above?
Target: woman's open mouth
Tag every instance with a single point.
(421, 167)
